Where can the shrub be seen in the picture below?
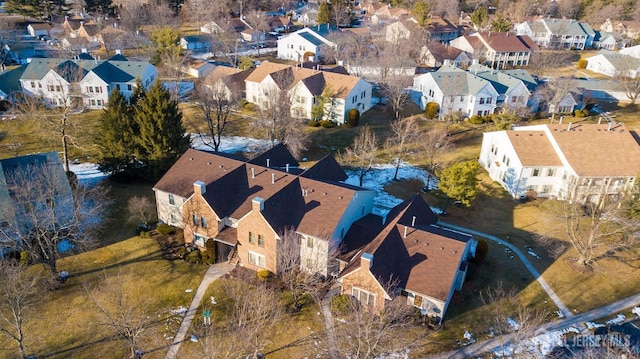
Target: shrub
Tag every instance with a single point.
(263, 275)
(211, 252)
(211, 261)
(353, 117)
(481, 252)
(145, 234)
(165, 229)
(327, 124)
(431, 110)
(314, 123)
(194, 257)
(249, 106)
(476, 120)
(24, 258)
(4, 105)
(582, 63)
(243, 102)
(581, 113)
(340, 303)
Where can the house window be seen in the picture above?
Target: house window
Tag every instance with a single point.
(118, 87)
(251, 240)
(196, 220)
(551, 172)
(309, 263)
(546, 188)
(489, 99)
(90, 89)
(514, 99)
(482, 100)
(309, 242)
(203, 222)
(50, 88)
(536, 172)
(257, 259)
(172, 218)
(129, 88)
(172, 200)
(354, 99)
(93, 102)
(99, 102)
(531, 188)
(260, 240)
(33, 84)
(199, 240)
(58, 88)
(39, 85)
(364, 296)
(98, 89)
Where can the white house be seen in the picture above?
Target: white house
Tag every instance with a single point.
(58, 81)
(558, 33)
(38, 29)
(498, 49)
(514, 87)
(195, 42)
(633, 51)
(455, 91)
(614, 64)
(584, 162)
(305, 86)
(310, 40)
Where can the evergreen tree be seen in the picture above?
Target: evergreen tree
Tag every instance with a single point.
(116, 136)
(500, 24)
(420, 12)
(459, 182)
(324, 13)
(161, 139)
(479, 17)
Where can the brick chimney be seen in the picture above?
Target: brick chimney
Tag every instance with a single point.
(199, 187)
(257, 204)
(366, 260)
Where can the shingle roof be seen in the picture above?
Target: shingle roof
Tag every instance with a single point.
(424, 259)
(619, 61)
(442, 52)
(501, 81)
(507, 42)
(327, 169)
(108, 70)
(453, 81)
(534, 148)
(10, 80)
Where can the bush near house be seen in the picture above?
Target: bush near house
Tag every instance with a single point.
(582, 63)
(476, 120)
(194, 257)
(263, 275)
(431, 110)
(327, 124)
(353, 117)
(314, 123)
(340, 303)
(165, 229)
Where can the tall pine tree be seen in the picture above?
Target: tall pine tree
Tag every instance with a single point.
(116, 137)
(161, 139)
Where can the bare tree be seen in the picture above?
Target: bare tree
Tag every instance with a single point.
(361, 155)
(434, 144)
(123, 307)
(510, 320)
(631, 85)
(404, 136)
(214, 103)
(395, 91)
(224, 42)
(141, 210)
(260, 23)
(22, 289)
(54, 109)
(596, 230)
(46, 217)
(569, 8)
(544, 61)
(366, 334)
(250, 317)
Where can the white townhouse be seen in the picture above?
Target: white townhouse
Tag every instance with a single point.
(583, 162)
(455, 91)
(514, 87)
(498, 49)
(305, 86)
(311, 39)
(558, 33)
(58, 81)
(614, 64)
(633, 51)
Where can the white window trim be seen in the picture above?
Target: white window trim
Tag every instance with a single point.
(357, 292)
(257, 257)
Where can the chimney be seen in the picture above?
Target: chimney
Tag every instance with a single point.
(569, 127)
(253, 172)
(83, 50)
(257, 204)
(268, 162)
(118, 52)
(287, 168)
(273, 178)
(405, 232)
(199, 187)
(609, 127)
(599, 120)
(366, 260)
(446, 62)
(474, 62)
(413, 221)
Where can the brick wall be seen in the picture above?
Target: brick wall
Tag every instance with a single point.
(255, 223)
(363, 279)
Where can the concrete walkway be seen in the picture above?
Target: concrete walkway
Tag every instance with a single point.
(578, 320)
(214, 272)
(327, 317)
(534, 272)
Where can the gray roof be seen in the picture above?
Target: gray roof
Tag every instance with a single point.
(108, 70)
(311, 38)
(501, 81)
(10, 80)
(454, 81)
(562, 26)
(620, 61)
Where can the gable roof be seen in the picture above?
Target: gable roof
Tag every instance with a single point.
(108, 70)
(422, 258)
(278, 156)
(501, 81)
(534, 148)
(507, 42)
(10, 80)
(442, 52)
(619, 61)
(453, 81)
(327, 169)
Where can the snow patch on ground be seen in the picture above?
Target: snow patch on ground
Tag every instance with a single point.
(592, 325)
(88, 174)
(538, 346)
(383, 174)
(230, 144)
(468, 337)
(617, 320)
(513, 324)
(181, 311)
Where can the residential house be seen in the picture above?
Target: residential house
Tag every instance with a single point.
(435, 29)
(280, 23)
(426, 262)
(72, 24)
(435, 54)
(305, 86)
(515, 87)
(195, 42)
(39, 29)
(59, 81)
(385, 14)
(627, 29)
(10, 82)
(89, 31)
(498, 49)
(606, 40)
(582, 162)
(197, 68)
(246, 207)
(456, 92)
(558, 33)
(309, 41)
(13, 207)
(633, 51)
(211, 27)
(614, 64)
(441, 29)
(228, 80)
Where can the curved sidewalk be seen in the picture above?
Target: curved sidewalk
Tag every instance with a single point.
(214, 272)
(534, 272)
